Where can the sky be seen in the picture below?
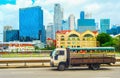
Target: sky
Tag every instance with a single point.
(9, 10)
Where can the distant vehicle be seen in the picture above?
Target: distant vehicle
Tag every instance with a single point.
(93, 57)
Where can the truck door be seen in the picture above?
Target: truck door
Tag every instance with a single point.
(60, 56)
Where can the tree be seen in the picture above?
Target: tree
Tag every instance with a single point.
(103, 38)
(117, 40)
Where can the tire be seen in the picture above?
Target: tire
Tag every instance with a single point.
(61, 67)
(95, 66)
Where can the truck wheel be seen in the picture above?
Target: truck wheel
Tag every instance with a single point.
(61, 67)
(95, 66)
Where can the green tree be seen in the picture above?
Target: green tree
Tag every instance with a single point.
(117, 42)
(52, 47)
(103, 38)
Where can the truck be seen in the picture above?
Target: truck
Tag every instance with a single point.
(92, 57)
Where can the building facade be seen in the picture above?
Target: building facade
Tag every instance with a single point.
(114, 30)
(71, 20)
(6, 28)
(49, 31)
(72, 38)
(104, 25)
(50, 42)
(58, 17)
(31, 24)
(11, 35)
(85, 24)
(65, 25)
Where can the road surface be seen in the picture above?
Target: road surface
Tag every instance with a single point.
(104, 72)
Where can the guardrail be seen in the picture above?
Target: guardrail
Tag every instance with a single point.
(29, 61)
(23, 61)
(118, 60)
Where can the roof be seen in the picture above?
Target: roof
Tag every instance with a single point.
(63, 31)
(49, 39)
(95, 32)
(93, 48)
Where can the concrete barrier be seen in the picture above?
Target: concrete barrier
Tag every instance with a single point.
(31, 62)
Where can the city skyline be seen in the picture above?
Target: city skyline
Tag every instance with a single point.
(9, 11)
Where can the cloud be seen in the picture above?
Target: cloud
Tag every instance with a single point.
(24, 3)
(48, 17)
(92, 7)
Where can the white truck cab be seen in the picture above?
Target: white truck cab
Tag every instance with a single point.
(58, 56)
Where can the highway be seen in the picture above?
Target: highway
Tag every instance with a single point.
(82, 72)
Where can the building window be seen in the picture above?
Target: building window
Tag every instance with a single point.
(68, 42)
(88, 37)
(68, 39)
(78, 38)
(62, 38)
(73, 35)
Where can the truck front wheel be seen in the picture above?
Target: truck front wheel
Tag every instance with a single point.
(61, 67)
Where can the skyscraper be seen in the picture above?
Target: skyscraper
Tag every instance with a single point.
(104, 25)
(72, 22)
(85, 24)
(49, 32)
(58, 16)
(31, 24)
(65, 25)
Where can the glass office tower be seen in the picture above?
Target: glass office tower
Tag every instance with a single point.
(85, 24)
(104, 25)
(31, 24)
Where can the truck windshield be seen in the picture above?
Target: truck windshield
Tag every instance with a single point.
(53, 53)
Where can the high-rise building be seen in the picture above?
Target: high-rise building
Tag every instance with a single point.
(104, 25)
(49, 31)
(58, 16)
(114, 30)
(11, 35)
(31, 24)
(4, 32)
(65, 25)
(72, 22)
(85, 24)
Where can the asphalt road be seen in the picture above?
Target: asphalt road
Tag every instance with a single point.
(104, 72)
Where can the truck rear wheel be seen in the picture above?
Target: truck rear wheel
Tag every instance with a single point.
(95, 66)
(61, 67)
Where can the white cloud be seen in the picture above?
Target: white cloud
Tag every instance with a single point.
(48, 17)
(23, 3)
(92, 7)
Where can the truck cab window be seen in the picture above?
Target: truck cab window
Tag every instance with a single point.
(61, 52)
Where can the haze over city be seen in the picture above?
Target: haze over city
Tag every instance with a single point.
(9, 10)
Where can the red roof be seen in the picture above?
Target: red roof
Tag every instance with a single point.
(49, 39)
(95, 32)
(63, 31)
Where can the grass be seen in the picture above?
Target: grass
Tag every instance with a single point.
(13, 55)
(118, 54)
